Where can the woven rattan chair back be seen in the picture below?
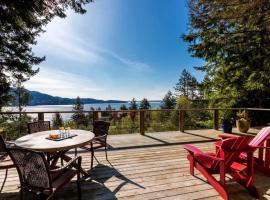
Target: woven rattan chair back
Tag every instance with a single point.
(2, 146)
(32, 168)
(34, 127)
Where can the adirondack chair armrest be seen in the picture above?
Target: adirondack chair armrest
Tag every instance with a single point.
(260, 147)
(209, 156)
(225, 136)
(192, 149)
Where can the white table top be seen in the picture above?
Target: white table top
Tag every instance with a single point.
(37, 141)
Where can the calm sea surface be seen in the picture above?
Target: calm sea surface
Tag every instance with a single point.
(66, 116)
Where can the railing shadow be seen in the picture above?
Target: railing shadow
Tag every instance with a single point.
(102, 173)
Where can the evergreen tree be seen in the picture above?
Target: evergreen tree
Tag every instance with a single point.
(57, 121)
(233, 38)
(123, 107)
(187, 85)
(21, 21)
(168, 101)
(79, 117)
(91, 108)
(21, 97)
(145, 105)
(133, 105)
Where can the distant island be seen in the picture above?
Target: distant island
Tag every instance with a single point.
(38, 98)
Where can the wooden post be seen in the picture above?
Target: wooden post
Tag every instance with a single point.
(215, 119)
(142, 130)
(40, 116)
(181, 120)
(95, 116)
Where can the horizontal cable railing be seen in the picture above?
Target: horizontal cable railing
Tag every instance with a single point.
(154, 120)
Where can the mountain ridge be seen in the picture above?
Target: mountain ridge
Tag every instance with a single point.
(39, 98)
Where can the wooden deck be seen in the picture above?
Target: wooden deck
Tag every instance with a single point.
(156, 170)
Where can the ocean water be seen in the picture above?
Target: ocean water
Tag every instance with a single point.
(67, 116)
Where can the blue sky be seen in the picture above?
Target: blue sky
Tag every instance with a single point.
(119, 49)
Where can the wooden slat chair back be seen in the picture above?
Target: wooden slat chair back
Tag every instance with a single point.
(260, 138)
(34, 127)
(260, 142)
(224, 161)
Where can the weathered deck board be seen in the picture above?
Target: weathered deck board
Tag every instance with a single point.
(155, 172)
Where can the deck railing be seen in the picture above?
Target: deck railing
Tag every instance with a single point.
(142, 115)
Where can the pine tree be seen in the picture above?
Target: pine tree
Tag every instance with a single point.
(21, 22)
(79, 117)
(233, 38)
(123, 107)
(187, 85)
(145, 105)
(133, 104)
(57, 121)
(168, 101)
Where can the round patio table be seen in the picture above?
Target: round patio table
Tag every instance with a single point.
(55, 150)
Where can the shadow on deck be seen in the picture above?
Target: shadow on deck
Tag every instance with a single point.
(158, 169)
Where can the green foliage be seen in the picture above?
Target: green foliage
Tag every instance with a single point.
(123, 107)
(14, 126)
(187, 85)
(21, 96)
(145, 105)
(79, 117)
(233, 38)
(57, 121)
(183, 102)
(168, 102)
(124, 125)
(21, 22)
(133, 104)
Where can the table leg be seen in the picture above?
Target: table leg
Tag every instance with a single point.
(67, 159)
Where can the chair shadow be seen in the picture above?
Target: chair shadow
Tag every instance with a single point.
(102, 173)
(9, 196)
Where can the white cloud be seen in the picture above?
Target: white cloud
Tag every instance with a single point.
(58, 83)
(60, 40)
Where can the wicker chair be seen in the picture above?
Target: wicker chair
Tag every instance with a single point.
(101, 129)
(36, 177)
(5, 161)
(34, 127)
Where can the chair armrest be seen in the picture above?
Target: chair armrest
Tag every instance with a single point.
(225, 136)
(209, 156)
(260, 147)
(192, 149)
(10, 143)
(69, 164)
(101, 136)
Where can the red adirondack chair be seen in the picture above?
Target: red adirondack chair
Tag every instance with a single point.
(224, 162)
(260, 142)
